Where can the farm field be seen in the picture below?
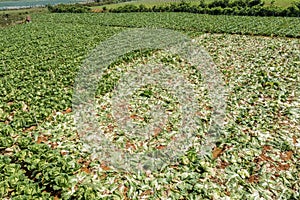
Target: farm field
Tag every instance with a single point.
(256, 156)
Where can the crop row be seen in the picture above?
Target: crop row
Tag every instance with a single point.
(267, 26)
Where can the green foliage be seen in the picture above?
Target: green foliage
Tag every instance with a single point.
(33, 87)
(219, 7)
(65, 8)
(219, 3)
(255, 3)
(267, 26)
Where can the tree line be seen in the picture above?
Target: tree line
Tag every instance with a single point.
(216, 7)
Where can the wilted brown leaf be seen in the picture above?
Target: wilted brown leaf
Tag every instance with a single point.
(110, 127)
(130, 146)
(161, 147)
(147, 192)
(266, 158)
(56, 197)
(223, 165)
(216, 152)
(29, 129)
(266, 148)
(136, 117)
(54, 145)
(253, 179)
(41, 139)
(124, 190)
(294, 140)
(156, 131)
(104, 167)
(283, 166)
(67, 111)
(286, 155)
(63, 152)
(227, 192)
(86, 170)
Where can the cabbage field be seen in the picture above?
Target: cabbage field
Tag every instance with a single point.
(257, 155)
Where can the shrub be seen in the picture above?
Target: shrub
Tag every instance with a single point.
(297, 4)
(219, 3)
(293, 11)
(253, 3)
(202, 4)
(215, 11)
(238, 3)
(219, 7)
(67, 8)
(143, 8)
